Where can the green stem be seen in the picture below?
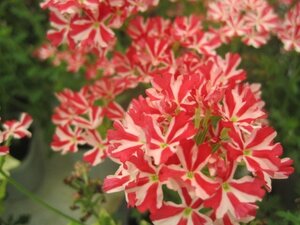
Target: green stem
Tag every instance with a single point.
(36, 199)
(2, 161)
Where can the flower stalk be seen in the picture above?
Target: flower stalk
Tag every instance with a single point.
(36, 199)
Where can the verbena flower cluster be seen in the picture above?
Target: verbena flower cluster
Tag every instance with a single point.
(199, 133)
(86, 31)
(253, 21)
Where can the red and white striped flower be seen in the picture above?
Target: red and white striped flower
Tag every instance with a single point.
(237, 197)
(67, 139)
(14, 129)
(91, 120)
(197, 127)
(253, 20)
(91, 30)
(262, 18)
(145, 191)
(97, 153)
(17, 128)
(258, 151)
(185, 213)
(126, 139)
(186, 27)
(114, 111)
(188, 172)
(162, 141)
(204, 42)
(60, 32)
(240, 107)
(289, 30)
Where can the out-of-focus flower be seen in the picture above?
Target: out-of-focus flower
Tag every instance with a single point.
(14, 129)
(289, 30)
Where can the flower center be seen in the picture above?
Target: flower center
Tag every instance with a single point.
(247, 152)
(96, 25)
(225, 186)
(163, 145)
(234, 119)
(190, 175)
(154, 178)
(187, 212)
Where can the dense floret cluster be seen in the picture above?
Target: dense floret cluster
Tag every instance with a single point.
(200, 131)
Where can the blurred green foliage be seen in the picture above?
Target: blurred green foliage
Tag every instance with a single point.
(279, 74)
(23, 81)
(26, 84)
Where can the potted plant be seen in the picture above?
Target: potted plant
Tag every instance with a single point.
(196, 147)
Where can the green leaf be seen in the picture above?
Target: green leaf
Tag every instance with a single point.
(10, 163)
(3, 184)
(74, 223)
(288, 216)
(144, 222)
(105, 218)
